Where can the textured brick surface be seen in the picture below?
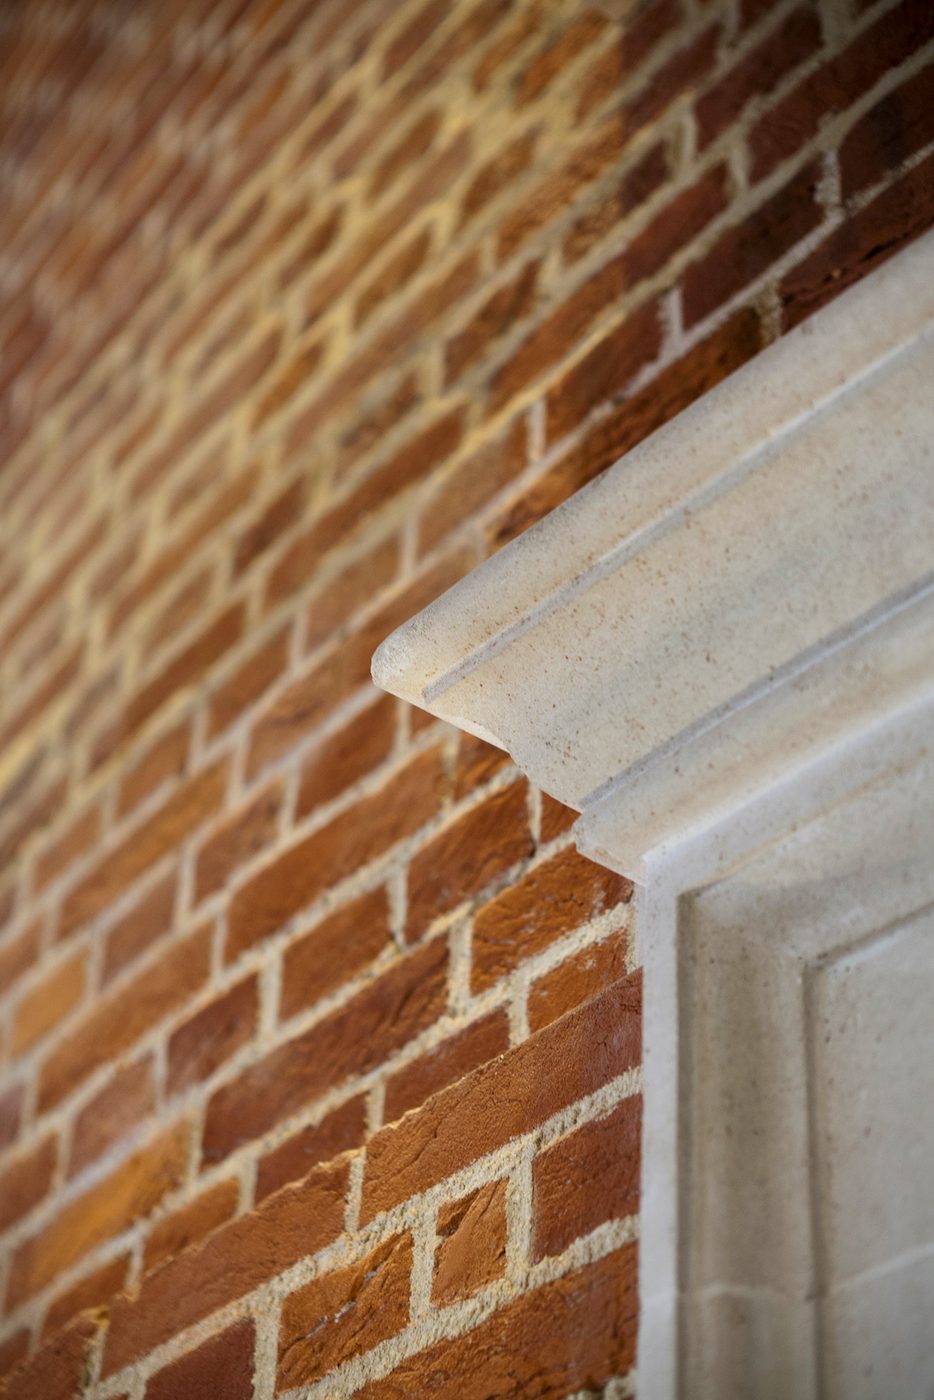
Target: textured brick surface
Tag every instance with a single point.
(471, 1244)
(307, 308)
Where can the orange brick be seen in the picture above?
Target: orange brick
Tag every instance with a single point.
(468, 856)
(471, 1244)
(121, 1016)
(445, 1063)
(163, 831)
(190, 1223)
(333, 952)
(210, 1036)
(343, 1128)
(112, 1113)
(350, 841)
(241, 837)
(509, 1096)
(391, 1010)
(231, 1262)
(578, 978)
(344, 1313)
(587, 1177)
(50, 1001)
(128, 1193)
(552, 900)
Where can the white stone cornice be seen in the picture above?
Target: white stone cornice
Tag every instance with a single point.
(722, 654)
(728, 553)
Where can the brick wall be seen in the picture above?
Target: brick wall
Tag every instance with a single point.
(319, 1044)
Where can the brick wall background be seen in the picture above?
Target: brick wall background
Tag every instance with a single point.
(320, 1045)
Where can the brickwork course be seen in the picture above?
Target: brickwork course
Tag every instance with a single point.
(319, 1044)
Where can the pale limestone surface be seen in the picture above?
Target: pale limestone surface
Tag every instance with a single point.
(721, 653)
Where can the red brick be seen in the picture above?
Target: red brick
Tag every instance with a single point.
(112, 1113)
(185, 604)
(166, 758)
(792, 43)
(18, 954)
(362, 834)
(343, 1313)
(414, 461)
(276, 517)
(49, 1001)
(477, 22)
(546, 65)
(228, 1264)
(93, 1292)
(552, 900)
(301, 368)
(394, 274)
(471, 1248)
(335, 602)
(587, 1177)
(497, 174)
(558, 189)
(76, 840)
(221, 1366)
(899, 124)
(678, 224)
(633, 189)
(569, 1335)
(320, 238)
(555, 818)
(11, 1113)
(57, 1370)
(190, 1223)
(228, 392)
(371, 426)
(477, 762)
(25, 1181)
(497, 316)
(556, 336)
(347, 756)
(224, 503)
(163, 831)
(240, 838)
(472, 483)
(121, 1016)
(469, 855)
(887, 223)
(618, 62)
(677, 78)
(744, 252)
(605, 371)
(445, 1063)
(505, 1098)
(187, 668)
(13, 1350)
(127, 1194)
(416, 141)
(581, 976)
(209, 1037)
(710, 361)
(343, 1129)
(379, 1020)
(410, 39)
(508, 43)
(429, 185)
(147, 919)
(251, 678)
(834, 85)
(338, 948)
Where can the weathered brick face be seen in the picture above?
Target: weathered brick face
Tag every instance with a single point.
(320, 1047)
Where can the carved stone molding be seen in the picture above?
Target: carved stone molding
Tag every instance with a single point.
(720, 654)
